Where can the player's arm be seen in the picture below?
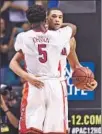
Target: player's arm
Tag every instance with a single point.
(73, 27)
(16, 68)
(72, 57)
(15, 63)
(5, 6)
(18, 7)
(74, 63)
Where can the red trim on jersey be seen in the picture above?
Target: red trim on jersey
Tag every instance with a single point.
(23, 109)
(32, 131)
(55, 133)
(37, 132)
(67, 102)
(59, 68)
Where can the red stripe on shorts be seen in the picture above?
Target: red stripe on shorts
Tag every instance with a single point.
(23, 109)
(64, 120)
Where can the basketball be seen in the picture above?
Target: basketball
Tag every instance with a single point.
(82, 75)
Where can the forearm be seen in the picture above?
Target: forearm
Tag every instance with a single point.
(16, 68)
(73, 61)
(5, 6)
(17, 7)
(72, 57)
(12, 119)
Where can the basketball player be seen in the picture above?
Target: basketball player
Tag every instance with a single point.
(55, 21)
(43, 95)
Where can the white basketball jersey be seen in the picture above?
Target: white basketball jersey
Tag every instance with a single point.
(42, 50)
(63, 60)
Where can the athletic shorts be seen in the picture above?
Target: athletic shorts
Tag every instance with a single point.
(43, 110)
(64, 84)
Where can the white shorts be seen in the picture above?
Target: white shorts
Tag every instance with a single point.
(64, 84)
(43, 110)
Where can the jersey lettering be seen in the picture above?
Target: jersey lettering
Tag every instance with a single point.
(42, 53)
(64, 51)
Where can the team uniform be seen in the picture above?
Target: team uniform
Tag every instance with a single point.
(43, 110)
(62, 69)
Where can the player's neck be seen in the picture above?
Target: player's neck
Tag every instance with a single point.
(52, 29)
(36, 27)
(39, 27)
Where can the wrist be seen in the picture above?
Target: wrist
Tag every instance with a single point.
(25, 76)
(7, 111)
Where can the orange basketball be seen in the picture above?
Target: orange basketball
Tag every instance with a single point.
(82, 75)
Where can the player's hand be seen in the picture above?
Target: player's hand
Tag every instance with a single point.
(87, 86)
(34, 81)
(91, 86)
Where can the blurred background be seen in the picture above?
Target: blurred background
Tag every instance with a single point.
(87, 17)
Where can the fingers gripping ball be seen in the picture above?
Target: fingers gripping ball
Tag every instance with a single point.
(82, 75)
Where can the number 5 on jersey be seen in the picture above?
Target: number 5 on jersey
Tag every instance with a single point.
(42, 53)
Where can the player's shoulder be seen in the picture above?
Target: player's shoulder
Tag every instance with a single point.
(61, 30)
(25, 34)
(20, 34)
(66, 28)
(65, 32)
(29, 32)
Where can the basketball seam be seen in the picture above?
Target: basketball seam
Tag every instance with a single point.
(77, 70)
(87, 77)
(81, 80)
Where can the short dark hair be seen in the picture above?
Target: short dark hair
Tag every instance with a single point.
(36, 14)
(51, 9)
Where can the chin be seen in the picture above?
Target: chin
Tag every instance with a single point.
(56, 28)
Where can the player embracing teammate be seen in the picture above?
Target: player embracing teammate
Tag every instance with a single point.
(43, 103)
